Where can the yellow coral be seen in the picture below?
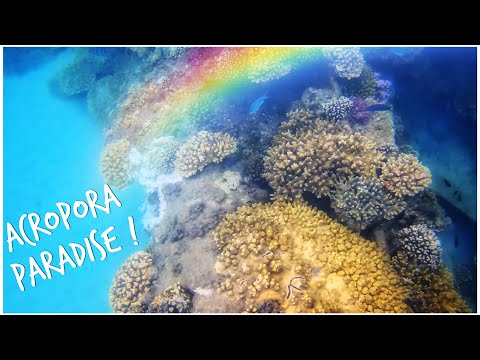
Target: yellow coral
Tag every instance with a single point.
(203, 149)
(312, 155)
(405, 175)
(428, 290)
(114, 164)
(297, 256)
(132, 284)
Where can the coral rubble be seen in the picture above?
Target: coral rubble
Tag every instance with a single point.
(175, 299)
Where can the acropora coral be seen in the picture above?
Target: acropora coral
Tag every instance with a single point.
(405, 175)
(337, 109)
(311, 155)
(203, 149)
(130, 291)
(114, 164)
(428, 290)
(359, 202)
(175, 299)
(348, 62)
(364, 86)
(297, 256)
(421, 245)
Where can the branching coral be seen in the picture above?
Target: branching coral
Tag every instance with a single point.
(348, 62)
(359, 202)
(421, 245)
(312, 155)
(203, 149)
(364, 86)
(175, 299)
(114, 164)
(337, 109)
(405, 175)
(297, 256)
(130, 291)
(428, 291)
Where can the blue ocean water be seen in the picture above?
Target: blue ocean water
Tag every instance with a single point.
(51, 154)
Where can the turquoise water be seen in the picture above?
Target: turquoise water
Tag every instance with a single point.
(51, 152)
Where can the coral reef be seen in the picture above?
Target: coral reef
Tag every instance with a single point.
(181, 241)
(420, 245)
(337, 109)
(405, 175)
(203, 149)
(364, 86)
(348, 62)
(428, 291)
(114, 164)
(359, 113)
(131, 287)
(312, 155)
(296, 255)
(359, 202)
(79, 74)
(175, 299)
(423, 208)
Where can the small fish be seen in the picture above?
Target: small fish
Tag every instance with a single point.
(447, 182)
(257, 104)
(456, 241)
(378, 107)
(455, 193)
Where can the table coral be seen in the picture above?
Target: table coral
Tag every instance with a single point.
(347, 62)
(203, 149)
(130, 291)
(311, 155)
(405, 175)
(428, 290)
(297, 256)
(114, 164)
(359, 202)
(421, 245)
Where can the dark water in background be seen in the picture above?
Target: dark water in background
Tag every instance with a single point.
(433, 96)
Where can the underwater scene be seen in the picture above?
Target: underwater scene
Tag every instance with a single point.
(240, 180)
